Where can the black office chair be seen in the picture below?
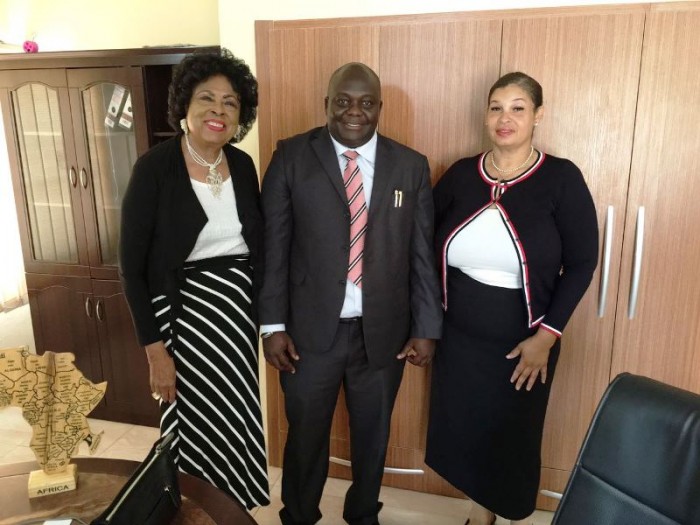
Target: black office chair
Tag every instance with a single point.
(640, 462)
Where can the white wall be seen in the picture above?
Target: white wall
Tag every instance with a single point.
(69, 25)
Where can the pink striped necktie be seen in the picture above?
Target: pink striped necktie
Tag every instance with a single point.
(352, 178)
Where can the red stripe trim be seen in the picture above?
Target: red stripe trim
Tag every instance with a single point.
(523, 261)
(550, 329)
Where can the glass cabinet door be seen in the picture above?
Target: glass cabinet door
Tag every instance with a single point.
(105, 101)
(48, 175)
(111, 148)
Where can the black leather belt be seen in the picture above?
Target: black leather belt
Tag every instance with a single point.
(348, 320)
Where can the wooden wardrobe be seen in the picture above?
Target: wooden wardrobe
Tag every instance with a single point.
(620, 86)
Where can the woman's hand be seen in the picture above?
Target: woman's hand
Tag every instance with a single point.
(534, 353)
(162, 371)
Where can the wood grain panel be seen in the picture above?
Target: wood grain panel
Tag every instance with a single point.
(663, 339)
(589, 69)
(263, 33)
(301, 62)
(410, 417)
(275, 416)
(435, 81)
(124, 363)
(454, 16)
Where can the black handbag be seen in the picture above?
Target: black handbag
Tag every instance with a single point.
(152, 494)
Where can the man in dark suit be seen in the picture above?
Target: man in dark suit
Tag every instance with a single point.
(350, 289)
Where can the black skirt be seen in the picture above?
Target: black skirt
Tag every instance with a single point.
(484, 437)
(216, 415)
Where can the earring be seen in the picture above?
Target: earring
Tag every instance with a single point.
(183, 126)
(537, 122)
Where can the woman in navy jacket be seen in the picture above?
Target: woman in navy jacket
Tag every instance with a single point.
(517, 241)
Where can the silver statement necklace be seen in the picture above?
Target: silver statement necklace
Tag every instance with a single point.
(512, 170)
(214, 178)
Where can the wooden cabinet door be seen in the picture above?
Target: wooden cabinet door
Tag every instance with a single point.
(588, 66)
(63, 312)
(435, 80)
(124, 363)
(36, 111)
(109, 118)
(298, 64)
(659, 335)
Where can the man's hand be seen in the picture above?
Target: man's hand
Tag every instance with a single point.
(418, 351)
(280, 352)
(162, 372)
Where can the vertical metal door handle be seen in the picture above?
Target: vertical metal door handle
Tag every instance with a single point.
(636, 263)
(605, 273)
(72, 177)
(88, 306)
(100, 310)
(83, 178)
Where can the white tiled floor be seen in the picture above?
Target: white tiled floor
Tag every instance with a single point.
(122, 441)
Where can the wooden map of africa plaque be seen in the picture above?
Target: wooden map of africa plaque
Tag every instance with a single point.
(55, 399)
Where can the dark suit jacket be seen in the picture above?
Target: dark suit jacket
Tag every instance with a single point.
(307, 235)
(161, 219)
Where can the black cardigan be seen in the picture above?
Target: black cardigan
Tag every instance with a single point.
(551, 218)
(161, 220)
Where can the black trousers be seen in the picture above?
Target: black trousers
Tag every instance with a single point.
(310, 398)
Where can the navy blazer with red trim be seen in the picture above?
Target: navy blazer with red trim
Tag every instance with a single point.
(549, 214)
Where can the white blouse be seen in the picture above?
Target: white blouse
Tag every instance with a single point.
(221, 234)
(485, 252)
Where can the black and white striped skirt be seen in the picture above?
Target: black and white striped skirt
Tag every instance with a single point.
(216, 415)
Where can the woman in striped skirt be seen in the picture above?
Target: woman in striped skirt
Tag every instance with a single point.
(190, 263)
